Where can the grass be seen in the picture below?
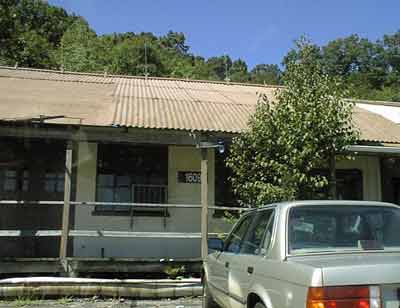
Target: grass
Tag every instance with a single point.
(65, 300)
(24, 302)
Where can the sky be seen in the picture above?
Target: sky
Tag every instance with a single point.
(258, 31)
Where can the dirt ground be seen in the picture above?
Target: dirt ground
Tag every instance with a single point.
(100, 303)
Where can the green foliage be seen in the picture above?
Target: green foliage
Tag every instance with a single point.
(78, 48)
(175, 271)
(128, 57)
(238, 71)
(370, 69)
(36, 34)
(30, 31)
(287, 139)
(266, 74)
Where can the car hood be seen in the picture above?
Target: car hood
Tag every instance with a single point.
(355, 268)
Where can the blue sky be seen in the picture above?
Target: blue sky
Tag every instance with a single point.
(258, 31)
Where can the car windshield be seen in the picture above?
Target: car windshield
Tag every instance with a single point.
(321, 228)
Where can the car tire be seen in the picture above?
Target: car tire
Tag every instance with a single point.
(259, 305)
(207, 297)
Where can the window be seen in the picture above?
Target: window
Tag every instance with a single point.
(54, 182)
(268, 234)
(234, 241)
(256, 234)
(131, 174)
(31, 169)
(13, 181)
(349, 185)
(10, 180)
(345, 227)
(224, 195)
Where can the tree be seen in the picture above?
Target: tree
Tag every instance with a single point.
(136, 56)
(238, 71)
(288, 138)
(219, 67)
(78, 48)
(175, 41)
(266, 74)
(30, 32)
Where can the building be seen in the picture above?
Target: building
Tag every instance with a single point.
(133, 140)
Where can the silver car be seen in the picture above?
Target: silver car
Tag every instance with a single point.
(313, 254)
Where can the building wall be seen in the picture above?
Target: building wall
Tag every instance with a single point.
(179, 220)
(371, 172)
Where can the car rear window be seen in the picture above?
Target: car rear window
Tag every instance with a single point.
(343, 227)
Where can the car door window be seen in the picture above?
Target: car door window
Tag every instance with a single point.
(235, 239)
(257, 233)
(268, 233)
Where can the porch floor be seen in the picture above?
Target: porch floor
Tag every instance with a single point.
(76, 267)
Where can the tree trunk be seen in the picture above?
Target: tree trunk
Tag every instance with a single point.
(332, 177)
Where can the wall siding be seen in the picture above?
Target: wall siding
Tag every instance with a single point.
(180, 220)
(180, 158)
(371, 172)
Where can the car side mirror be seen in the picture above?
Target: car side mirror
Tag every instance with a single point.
(215, 244)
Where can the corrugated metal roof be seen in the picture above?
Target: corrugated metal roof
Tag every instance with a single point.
(374, 127)
(159, 103)
(184, 104)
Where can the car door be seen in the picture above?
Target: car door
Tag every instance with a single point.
(243, 264)
(221, 263)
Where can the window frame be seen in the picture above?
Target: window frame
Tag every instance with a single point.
(344, 252)
(341, 173)
(253, 226)
(250, 216)
(115, 172)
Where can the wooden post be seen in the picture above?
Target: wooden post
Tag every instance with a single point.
(204, 204)
(67, 201)
(332, 177)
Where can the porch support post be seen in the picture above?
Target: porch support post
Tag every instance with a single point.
(204, 203)
(332, 177)
(67, 200)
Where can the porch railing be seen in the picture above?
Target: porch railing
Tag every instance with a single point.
(104, 233)
(139, 193)
(150, 193)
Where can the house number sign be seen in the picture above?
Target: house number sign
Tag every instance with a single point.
(191, 177)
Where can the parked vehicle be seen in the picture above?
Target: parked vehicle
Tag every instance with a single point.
(312, 254)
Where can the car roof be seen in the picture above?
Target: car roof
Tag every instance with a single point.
(289, 204)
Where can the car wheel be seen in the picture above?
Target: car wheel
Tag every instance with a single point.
(207, 297)
(259, 305)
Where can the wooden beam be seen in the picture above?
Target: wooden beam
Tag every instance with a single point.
(30, 266)
(332, 177)
(102, 233)
(67, 200)
(107, 134)
(127, 204)
(204, 203)
(117, 266)
(93, 265)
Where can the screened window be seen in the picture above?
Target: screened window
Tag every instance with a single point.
(224, 195)
(131, 174)
(349, 185)
(10, 180)
(54, 182)
(31, 169)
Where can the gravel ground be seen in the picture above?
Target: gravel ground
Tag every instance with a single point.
(99, 303)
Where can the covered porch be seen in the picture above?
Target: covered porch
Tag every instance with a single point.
(133, 203)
